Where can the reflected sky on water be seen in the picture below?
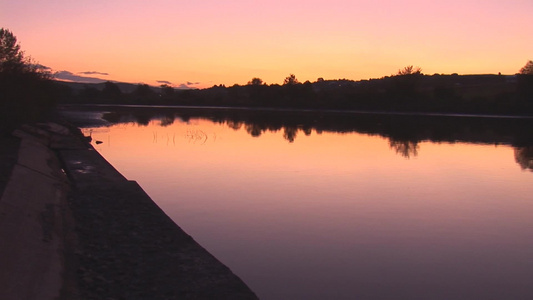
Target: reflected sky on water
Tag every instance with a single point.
(302, 212)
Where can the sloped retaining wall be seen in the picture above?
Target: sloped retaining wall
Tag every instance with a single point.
(114, 241)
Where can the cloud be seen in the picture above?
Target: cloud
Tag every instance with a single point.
(164, 82)
(69, 76)
(41, 67)
(93, 73)
(188, 85)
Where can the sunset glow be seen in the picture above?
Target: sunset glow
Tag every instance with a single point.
(202, 43)
(336, 215)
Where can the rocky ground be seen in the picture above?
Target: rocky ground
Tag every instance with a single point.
(92, 233)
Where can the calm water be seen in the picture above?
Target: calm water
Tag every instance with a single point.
(303, 210)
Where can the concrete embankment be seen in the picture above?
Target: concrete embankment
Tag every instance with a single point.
(72, 227)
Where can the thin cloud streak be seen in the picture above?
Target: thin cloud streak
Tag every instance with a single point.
(69, 76)
(41, 67)
(188, 85)
(93, 73)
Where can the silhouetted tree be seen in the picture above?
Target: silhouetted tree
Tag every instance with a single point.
(167, 91)
(26, 93)
(257, 92)
(111, 91)
(527, 69)
(410, 70)
(143, 90)
(11, 57)
(290, 80)
(256, 81)
(13, 61)
(89, 93)
(525, 83)
(405, 83)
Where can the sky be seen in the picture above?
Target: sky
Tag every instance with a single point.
(200, 43)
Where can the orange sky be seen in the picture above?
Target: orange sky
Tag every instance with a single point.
(202, 43)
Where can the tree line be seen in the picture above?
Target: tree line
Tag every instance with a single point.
(28, 91)
(408, 90)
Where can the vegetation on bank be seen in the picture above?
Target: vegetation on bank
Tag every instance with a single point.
(28, 92)
(408, 90)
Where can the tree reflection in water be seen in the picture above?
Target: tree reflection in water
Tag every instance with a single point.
(289, 133)
(524, 157)
(404, 132)
(406, 149)
(167, 120)
(254, 130)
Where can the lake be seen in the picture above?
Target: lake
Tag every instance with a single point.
(329, 205)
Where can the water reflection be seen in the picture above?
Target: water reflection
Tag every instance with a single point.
(197, 136)
(326, 207)
(405, 148)
(403, 132)
(524, 157)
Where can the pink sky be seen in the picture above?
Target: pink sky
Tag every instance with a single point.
(228, 42)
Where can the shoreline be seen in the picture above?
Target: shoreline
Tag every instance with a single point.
(112, 241)
(301, 110)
